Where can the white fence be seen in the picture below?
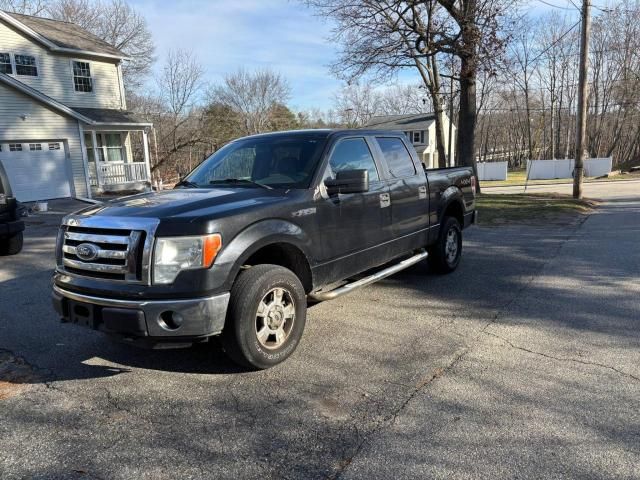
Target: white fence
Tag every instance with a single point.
(547, 169)
(492, 170)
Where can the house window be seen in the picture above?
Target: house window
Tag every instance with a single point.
(82, 81)
(54, 146)
(109, 147)
(416, 137)
(35, 146)
(113, 145)
(26, 65)
(5, 63)
(15, 147)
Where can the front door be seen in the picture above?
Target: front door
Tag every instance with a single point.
(353, 225)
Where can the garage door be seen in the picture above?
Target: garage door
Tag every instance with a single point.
(36, 170)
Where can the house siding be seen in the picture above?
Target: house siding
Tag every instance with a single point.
(41, 123)
(55, 75)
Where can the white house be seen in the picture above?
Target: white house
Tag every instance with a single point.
(420, 129)
(64, 126)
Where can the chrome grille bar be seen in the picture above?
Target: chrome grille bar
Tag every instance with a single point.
(111, 254)
(95, 267)
(97, 238)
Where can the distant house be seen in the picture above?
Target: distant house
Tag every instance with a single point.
(64, 126)
(420, 129)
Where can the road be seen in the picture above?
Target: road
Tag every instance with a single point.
(524, 363)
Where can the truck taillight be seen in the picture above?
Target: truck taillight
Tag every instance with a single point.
(473, 184)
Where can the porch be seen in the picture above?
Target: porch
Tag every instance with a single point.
(116, 148)
(117, 161)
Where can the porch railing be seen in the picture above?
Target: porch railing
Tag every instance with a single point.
(108, 174)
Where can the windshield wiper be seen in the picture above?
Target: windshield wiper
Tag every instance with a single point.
(187, 183)
(239, 180)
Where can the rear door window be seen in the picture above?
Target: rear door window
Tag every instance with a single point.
(399, 162)
(353, 154)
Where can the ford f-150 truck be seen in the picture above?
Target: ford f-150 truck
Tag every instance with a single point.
(262, 227)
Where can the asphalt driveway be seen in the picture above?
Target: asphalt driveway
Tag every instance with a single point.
(524, 363)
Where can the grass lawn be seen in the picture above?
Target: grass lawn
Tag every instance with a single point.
(519, 177)
(532, 209)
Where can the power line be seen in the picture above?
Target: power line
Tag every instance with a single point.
(556, 6)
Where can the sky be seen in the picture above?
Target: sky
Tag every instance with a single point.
(283, 35)
(226, 35)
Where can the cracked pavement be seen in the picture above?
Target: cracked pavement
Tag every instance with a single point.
(524, 363)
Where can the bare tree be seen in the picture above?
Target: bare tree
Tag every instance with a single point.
(253, 95)
(382, 37)
(356, 104)
(405, 100)
(25, 7)
(179, 123)
(117, 23)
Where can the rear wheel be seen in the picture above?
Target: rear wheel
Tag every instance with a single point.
(444, 256)
(12, 245)
(266, 317)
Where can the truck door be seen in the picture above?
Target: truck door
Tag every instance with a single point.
(352, 225)
(409, 194)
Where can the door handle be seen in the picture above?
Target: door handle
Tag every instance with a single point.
(385, 200)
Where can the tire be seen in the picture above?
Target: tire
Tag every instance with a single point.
(266, 317)
(12, 245)
(444, 256)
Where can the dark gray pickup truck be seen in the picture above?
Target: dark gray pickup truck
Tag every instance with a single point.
(262, 227)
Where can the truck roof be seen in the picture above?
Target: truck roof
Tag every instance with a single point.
(325, 132)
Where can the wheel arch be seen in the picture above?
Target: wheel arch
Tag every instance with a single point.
(271, 241)
(452, 205)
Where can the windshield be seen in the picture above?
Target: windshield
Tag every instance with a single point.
(277, 161)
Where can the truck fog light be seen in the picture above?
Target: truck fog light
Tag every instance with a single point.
(170, 320)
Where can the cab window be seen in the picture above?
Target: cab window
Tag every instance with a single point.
(397, 157)
(353, 154)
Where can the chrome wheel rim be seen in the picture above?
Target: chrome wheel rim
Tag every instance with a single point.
(451, 246)
(275, 318)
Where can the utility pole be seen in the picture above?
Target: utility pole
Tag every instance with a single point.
(583, 93)
(449, 149)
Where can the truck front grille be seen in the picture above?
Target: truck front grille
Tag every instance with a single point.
(110, 254)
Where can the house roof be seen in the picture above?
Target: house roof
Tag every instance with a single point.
(112, 116)
(61, 36)
(90, 116)
(420, 121)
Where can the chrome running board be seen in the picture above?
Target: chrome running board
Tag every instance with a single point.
(363, 282)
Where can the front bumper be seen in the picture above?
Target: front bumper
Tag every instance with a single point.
(151, 320)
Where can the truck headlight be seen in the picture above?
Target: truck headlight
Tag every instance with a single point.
(172, 255)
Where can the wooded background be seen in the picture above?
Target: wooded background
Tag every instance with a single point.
(524, 79)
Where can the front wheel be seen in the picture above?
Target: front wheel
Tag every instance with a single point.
(444, 256)
(12, 245)
(266, 317)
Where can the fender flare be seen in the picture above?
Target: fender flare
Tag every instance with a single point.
(451, 195)
(257, 236)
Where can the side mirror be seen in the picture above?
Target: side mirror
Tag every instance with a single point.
(348, 181)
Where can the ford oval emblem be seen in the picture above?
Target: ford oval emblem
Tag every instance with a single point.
(87, 251)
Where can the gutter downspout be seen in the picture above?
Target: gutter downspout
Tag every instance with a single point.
(85, 160)
(123, 100)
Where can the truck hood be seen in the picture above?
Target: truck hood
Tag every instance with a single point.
(187, 204)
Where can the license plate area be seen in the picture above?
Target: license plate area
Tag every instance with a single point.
(83, 314)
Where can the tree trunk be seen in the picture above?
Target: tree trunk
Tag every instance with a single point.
(467, 117)
(434, 86)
